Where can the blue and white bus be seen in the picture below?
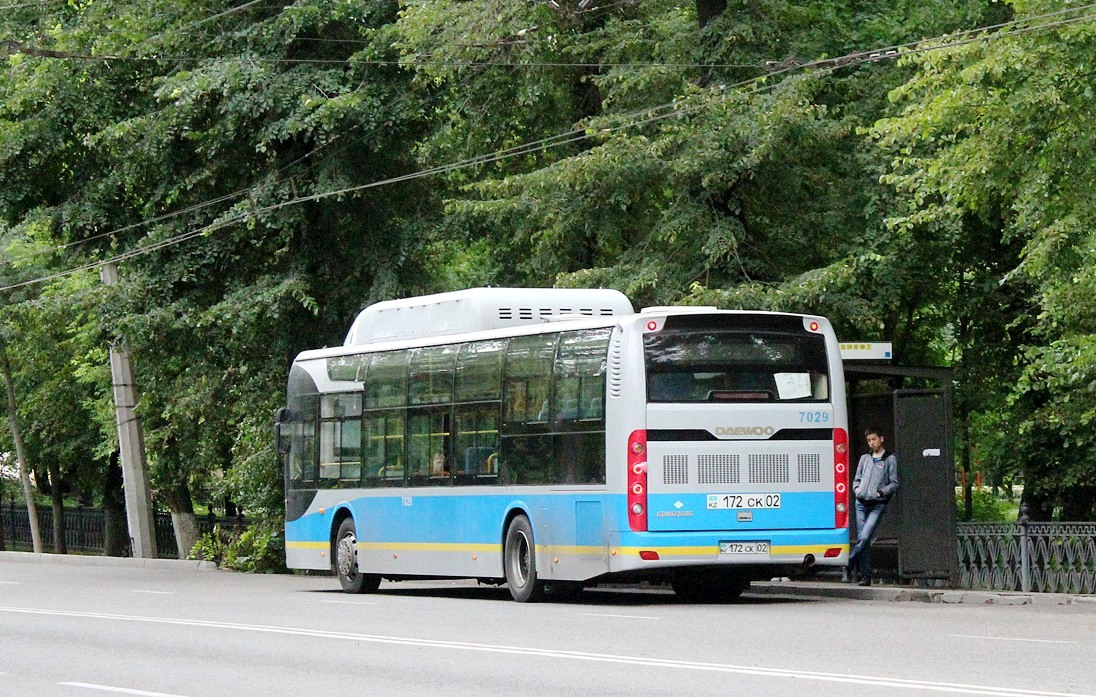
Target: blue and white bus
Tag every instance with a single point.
(551, 439)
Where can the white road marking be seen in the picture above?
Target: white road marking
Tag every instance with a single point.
(646, 661)
(154, 592)
(9, 583)
(623, 617)
(122, 690)
(1012, 638)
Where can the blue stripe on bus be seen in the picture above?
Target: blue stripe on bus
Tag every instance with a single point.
(798, 510)
(477, 519)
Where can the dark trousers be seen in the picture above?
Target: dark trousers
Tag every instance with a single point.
(868, 516)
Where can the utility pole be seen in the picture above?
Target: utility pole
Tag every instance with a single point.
(131, 444)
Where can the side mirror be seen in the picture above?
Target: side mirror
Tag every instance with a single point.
(281, 431)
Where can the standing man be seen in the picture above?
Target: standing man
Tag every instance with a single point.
(876, 481)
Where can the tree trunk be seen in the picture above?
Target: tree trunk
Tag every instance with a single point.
(20, 451)
(183, 519)
(57, 499)
(3, 544)
(116, 533)
(707, 10)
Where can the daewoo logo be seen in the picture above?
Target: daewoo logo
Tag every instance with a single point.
(744, 430)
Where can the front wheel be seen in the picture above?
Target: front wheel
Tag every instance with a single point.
(351, 578)
(520, 562)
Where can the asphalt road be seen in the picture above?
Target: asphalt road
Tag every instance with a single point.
(84, 630)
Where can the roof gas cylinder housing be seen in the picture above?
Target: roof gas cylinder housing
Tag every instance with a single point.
(478, 309)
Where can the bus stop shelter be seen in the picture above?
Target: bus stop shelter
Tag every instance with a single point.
(916, 542)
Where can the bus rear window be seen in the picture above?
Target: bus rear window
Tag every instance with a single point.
(724, 365)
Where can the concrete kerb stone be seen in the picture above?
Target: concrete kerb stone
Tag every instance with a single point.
(925, 595)
(91, 560)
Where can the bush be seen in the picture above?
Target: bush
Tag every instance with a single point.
(258, 549)
(986, 508)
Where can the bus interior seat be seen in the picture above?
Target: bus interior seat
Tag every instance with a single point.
(475, 459)
(568, 409)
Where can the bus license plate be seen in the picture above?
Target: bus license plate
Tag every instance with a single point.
(751, 547)
(730, 501)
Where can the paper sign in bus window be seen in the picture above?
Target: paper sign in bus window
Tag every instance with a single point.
(793, 385)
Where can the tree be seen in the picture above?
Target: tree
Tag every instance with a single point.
(995, 131)
(238, 166)
(707, 163)
(20, 450)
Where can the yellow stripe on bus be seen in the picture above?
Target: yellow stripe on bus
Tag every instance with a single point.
(305, 544)
(428, 547)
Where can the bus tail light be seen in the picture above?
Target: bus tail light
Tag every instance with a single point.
(637, 481)
(841, 477)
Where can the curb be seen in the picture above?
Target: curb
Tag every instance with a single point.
(126, 562)
(816, 589)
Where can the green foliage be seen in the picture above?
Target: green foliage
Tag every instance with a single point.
(995, 133)
(985, 508)
(943, 202)
(260, 548)
(211, 546)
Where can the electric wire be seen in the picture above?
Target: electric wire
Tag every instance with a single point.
(653, 115)
(426, 59)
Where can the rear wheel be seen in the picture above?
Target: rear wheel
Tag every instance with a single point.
(520, 562)
(351, 578)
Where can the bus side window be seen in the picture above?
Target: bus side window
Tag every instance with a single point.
(477, 440)
(476, 460)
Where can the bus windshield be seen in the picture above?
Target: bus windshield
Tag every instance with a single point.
(724, 365)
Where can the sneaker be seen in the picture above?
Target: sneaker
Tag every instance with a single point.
(864, 582)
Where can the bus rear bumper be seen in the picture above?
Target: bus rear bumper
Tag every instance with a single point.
(639, 551)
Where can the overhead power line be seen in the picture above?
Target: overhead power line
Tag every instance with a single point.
(635, 119)
(9, 46)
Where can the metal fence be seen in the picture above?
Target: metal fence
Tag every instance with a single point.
(85, 529)
(1039, 557)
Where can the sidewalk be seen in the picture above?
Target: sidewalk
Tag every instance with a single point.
(824, 588)
(98, 560)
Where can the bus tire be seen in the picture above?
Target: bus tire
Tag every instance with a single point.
(350, 576)
(520, 562)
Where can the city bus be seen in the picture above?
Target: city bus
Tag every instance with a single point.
(554, 439)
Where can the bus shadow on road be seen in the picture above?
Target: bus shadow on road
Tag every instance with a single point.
(598, 596)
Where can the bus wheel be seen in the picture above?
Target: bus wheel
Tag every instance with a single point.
(351, 578)
(520, 562)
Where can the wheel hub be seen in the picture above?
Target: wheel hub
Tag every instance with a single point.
(346, 556)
